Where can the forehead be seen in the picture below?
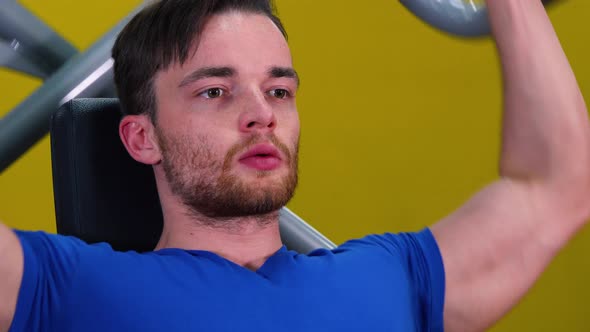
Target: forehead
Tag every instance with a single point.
(238, 38)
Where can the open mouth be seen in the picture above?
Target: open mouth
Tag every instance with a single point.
(263, 157)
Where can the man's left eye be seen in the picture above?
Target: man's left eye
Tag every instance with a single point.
(279, 93)
(213, 93)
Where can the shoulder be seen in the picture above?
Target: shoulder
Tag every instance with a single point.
(42, 246)
(396, 244)
(407, 267)
(413, 254)
(418, 256)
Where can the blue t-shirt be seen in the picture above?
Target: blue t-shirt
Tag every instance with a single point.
(388, 282)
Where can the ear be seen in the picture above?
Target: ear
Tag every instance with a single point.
(137, 134)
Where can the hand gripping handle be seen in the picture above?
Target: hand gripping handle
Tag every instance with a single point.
(464, 18)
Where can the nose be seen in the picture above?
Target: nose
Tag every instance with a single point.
(257, 115)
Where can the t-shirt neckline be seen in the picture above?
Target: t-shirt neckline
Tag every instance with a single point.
(263, 270)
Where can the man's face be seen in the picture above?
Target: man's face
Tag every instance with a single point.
(227, 122)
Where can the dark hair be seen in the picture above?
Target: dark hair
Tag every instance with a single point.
(161, 34)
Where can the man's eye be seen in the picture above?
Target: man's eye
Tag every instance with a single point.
(212, 93)
(279, 93)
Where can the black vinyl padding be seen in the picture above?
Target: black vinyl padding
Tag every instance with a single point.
(101, 194)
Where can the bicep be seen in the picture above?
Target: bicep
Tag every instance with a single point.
(11, 271)
(494, 248)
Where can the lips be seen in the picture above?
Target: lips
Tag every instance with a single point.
(262, 157)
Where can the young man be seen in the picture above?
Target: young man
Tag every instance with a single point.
(209, 90)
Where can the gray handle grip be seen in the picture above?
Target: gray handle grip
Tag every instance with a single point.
(464, 18)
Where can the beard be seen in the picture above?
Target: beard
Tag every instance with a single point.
(206, 186)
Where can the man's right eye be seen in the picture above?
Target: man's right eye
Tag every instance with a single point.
(212, 93)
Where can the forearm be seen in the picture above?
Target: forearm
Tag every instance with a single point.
(546, 135)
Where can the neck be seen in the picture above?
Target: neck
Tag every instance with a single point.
(246, 241)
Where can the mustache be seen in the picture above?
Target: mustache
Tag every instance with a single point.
(254, 140)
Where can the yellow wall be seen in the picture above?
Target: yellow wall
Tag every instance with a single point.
(400, 125)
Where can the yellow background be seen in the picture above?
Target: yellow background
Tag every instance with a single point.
(400, 125)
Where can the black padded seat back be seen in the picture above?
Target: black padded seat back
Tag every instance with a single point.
(101, 193)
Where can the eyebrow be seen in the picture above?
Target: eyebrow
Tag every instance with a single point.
(278, 72)
(207, 72)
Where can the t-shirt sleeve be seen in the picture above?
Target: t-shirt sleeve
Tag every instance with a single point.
(426, 268)
(50, 263)
(420, 255)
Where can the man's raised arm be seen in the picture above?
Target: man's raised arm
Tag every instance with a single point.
(11, 271)
(498, 243)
